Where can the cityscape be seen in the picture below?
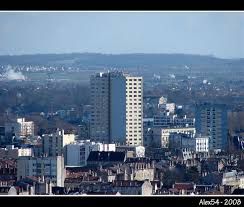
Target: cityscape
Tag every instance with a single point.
(132, 122)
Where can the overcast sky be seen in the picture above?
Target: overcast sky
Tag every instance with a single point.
(210, 33)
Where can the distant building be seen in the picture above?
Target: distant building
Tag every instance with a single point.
(162, 100)
(105, 158)
(20, 128)
(117, 108)
(51, 168)
(181, 140)
(132, 151)
(2, 134)
(133, 187)
(84, 131)
(77, 153)
(168, 107)
(11, 152)
(233, 180)
(161, 135)
(183, 188)
(167, 120)
(195, 143)
(202, 144)
(211, 121)
(53, 144)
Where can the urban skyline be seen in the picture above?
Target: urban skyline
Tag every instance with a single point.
(125, 124)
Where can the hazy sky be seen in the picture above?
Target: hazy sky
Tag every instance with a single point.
(211, 33)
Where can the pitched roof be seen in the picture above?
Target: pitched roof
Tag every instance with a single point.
(184, 186)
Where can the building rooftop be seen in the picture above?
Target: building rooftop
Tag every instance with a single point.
(127, 183)
(183, 186)
(96, 156)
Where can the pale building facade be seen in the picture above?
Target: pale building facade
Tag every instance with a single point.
(49, 168)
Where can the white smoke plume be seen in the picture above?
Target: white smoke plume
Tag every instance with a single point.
(11, 74)
(172, 76)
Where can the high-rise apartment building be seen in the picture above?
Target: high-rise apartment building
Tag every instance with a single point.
(211, 121)
(117, 108)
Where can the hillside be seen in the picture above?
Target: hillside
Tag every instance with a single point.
(95, 60)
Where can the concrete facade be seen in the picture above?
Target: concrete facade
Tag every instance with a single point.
(117, 105)
(51, 168)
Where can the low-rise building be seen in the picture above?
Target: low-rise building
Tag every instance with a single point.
(105, 158)
(132, 151)
(133, 187)
(10, 152)
(77, 152)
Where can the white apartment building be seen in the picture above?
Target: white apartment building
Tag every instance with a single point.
(53, 144)
(117, 108)
(20, 128)
(78, 152)
(49, 168)
(11, 152)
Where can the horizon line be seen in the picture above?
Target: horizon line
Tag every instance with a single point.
(125, 53)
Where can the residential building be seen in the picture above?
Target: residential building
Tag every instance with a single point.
(51, 168)
(125, 187)
(183, 188)
(167, 120)
(161, 135)
(168, 107)
(77, 153)
(20, 128)
(181, 140)
(53, 144)
(117, 108)
(84, 131)
(105, 158)
(11, 152)
(162, 100)
(202, 144)
(211, 121)
(132, 151)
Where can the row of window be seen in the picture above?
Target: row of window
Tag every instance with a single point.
(133, 92)
(135, 96)
(134, 79)
(130, 135)
(134, 87)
